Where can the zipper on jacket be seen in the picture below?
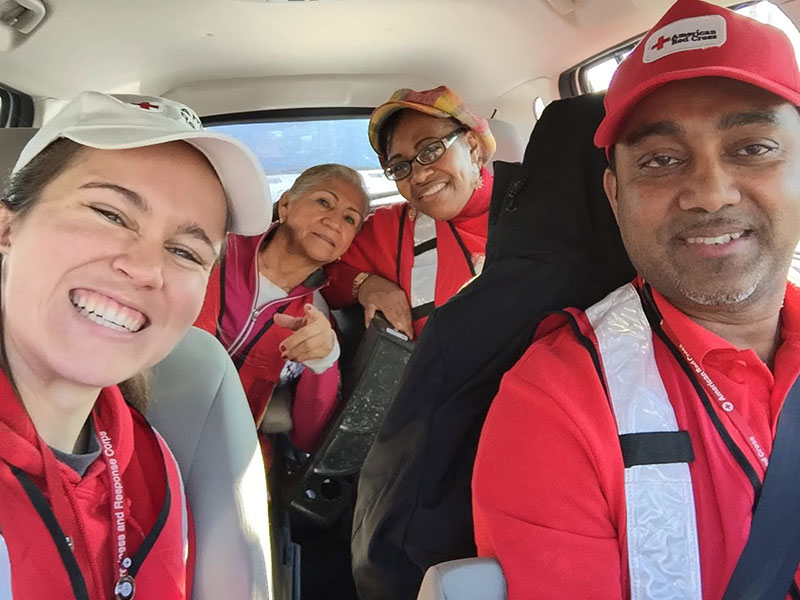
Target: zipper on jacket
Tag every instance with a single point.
(248, 329)
(513, 191)
(255, 312)
(237, 343)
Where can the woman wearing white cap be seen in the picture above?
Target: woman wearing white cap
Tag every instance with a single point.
(113, 218)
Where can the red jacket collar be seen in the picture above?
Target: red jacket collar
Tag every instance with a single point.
(21, 446)
(699, 341)
(242, 257)
(478, 203)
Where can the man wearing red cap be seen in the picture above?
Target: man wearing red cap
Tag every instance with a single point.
(625, 453)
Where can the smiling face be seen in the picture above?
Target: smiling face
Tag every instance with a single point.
(442, 188)
(107, 271)
(707, 191)
(322, 221)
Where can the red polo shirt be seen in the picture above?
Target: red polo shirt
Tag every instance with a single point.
(548, 484)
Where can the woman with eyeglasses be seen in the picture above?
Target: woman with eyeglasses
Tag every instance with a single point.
(412, 257)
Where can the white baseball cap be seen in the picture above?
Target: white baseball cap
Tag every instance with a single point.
(125, 121)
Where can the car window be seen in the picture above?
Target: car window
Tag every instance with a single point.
(287, 147)
(16, 108)
(595, 74)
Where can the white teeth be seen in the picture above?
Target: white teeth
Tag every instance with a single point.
(720, 239)
(432, 190)
(107, 312)
(110, 314)
(111, 318)
(101, 309)
(96, 318)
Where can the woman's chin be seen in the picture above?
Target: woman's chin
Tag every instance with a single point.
(321, 253)
(98, 365)
(440, 210)
(87, 375)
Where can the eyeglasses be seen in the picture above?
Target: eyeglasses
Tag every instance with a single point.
(429, 154)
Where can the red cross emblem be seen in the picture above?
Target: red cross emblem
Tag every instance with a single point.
(148, 106)
(659, 45)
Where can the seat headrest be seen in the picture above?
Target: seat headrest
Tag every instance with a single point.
(510, 145)
(12, 140)
(465, 579)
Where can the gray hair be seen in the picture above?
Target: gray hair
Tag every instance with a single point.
(313, 176)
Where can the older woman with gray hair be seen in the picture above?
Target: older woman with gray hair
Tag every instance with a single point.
(263, 302)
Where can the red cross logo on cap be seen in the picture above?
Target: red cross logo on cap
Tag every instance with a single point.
(659, 45)
(148, 106)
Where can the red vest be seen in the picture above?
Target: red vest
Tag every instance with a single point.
(556, 515)
(385, 246)
(57, 532)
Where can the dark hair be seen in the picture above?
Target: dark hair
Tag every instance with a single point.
(25, 187)
(612, 158)
(386, 131)
(23, 191)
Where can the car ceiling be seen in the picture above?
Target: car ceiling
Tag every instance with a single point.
(483, 49)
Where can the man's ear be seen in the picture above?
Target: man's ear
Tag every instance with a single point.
(610, 187)
(6, 225)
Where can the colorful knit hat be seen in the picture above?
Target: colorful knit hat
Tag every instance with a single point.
(439, 102)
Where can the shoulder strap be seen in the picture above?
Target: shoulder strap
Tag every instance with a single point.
(42, 506)
(463, 247)
(222, 287)
(770, 558)
(401, 230)
(239, 359)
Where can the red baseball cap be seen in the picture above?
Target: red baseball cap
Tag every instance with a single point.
(697, 39)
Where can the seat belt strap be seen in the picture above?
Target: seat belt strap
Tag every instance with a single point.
(768, 563)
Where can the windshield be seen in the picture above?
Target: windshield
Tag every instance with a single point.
(286, 148)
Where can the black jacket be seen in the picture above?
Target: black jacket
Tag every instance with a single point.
(552, 243)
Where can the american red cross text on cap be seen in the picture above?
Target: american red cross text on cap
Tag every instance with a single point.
(696, 39)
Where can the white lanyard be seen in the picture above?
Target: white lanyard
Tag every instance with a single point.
(125, 588)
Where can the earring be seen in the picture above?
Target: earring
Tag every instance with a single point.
(478, 176)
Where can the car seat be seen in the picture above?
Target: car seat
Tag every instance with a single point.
(510, 145)
(465, 579)
(197, 403)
